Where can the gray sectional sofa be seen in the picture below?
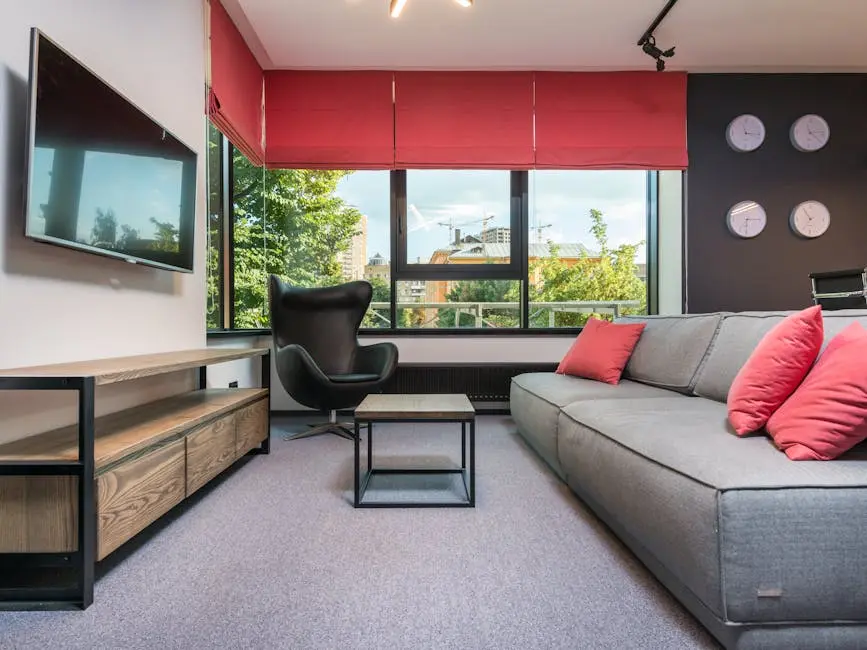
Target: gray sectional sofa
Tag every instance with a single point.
(766, 552)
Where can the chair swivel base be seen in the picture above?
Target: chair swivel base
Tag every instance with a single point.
(332, 426)
(337, 428)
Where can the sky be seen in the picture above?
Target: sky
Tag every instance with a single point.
(135, 187)
(562, 199)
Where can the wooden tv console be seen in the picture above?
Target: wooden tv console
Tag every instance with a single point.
(71, 496)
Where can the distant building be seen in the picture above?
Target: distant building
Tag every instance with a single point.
(353, 258)
(377, 268)
(498, 235)
(474, 253)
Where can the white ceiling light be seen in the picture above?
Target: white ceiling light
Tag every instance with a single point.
(396, 6)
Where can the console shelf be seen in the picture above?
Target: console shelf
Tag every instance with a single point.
(71, 496)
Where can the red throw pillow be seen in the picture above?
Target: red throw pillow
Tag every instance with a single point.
(775, 369)
(827, 414)
(601, 350)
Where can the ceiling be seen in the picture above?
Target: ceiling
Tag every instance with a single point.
(710, 35)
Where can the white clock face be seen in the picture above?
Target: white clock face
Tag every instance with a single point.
(745, 133)
(810, 219)
(810, 133)
(746, 219)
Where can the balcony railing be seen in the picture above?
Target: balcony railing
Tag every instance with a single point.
(478, 310)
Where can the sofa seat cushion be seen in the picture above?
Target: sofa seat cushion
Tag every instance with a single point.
(536, 399)
(753, 535)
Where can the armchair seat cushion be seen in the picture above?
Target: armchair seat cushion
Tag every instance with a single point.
(353, 377)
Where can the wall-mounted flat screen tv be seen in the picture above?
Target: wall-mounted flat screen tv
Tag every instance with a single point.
(102, 175)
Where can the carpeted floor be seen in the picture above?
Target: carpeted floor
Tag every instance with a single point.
(274, 556)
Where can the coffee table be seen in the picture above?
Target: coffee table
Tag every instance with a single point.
(443, 408)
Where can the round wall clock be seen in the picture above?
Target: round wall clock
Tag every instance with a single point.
(810, 219)
(745, 133)
(746, 219)
(810, 133)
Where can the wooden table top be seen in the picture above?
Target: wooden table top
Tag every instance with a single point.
(422, 407)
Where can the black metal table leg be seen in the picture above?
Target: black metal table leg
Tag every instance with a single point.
(369, 446)
(472, 494)
(357, 461)
(463, 445)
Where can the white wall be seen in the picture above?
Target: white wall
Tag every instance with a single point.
(61, 305)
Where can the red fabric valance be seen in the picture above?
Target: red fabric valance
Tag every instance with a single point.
(611, 120)
(329, 119)
(464, 120)
(235, 97)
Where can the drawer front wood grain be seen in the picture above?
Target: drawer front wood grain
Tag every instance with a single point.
(38, 514)
(251, 426)
(138, 492)
(210, 450)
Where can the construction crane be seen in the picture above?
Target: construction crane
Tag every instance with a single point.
(539, 230)
(452, 223)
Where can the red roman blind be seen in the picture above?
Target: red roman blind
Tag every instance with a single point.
(464, 120)
(235, 96)
(329, 119)
(611, 120)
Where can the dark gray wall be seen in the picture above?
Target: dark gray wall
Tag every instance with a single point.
(771, 271)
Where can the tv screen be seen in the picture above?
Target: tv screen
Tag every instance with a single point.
(102, 175)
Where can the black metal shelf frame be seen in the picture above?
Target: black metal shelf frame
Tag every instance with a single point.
(82, 560)
(77, 591)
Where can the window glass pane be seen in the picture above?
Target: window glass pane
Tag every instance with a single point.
(457, 216)
(458, 303)
(213, 309)
(587, 252)
(314, 228)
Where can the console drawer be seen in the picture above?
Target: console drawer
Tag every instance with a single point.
(210, 450)
(138, 492)
(251, 426)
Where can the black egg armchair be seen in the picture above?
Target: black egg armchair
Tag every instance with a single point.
(316, 350)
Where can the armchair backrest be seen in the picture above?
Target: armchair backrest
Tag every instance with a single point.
(324, 321)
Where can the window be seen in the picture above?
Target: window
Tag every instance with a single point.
(444, 250)
(457, 224)
(214, 310)
(313, 228)
(450, 304)
(587, 251)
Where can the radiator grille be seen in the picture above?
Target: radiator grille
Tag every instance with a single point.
(480, 382)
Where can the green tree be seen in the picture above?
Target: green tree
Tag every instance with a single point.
(610, 276)
(166, 238)
(289, 222)
(128, 237)
(104, 231)
(481, 291)
(381, 293)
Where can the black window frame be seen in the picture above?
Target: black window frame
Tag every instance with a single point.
(400, 270)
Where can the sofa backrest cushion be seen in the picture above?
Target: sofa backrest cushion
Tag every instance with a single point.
(740, 333)
(671, 349)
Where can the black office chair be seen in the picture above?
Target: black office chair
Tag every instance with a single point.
(316, 350)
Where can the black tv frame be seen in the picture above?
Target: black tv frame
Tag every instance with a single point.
(35, 36)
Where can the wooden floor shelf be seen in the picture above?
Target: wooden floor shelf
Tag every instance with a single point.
(71, 496)
(120, 435)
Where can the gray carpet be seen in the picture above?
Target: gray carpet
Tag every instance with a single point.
(274, 556)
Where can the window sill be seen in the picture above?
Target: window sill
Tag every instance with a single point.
(400, 333)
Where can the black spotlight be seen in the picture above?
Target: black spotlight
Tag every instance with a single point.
(650, 49)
